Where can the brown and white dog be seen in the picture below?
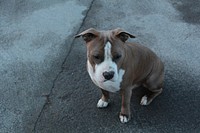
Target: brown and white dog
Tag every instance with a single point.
(116, 65)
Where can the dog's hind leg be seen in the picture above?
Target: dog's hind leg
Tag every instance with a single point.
(155, 85)
(148, 98)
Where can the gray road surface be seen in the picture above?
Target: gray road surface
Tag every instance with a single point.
(44, 85)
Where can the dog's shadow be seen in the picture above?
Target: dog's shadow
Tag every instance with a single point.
(177, 108)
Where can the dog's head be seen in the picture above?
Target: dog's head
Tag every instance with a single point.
(105, 52)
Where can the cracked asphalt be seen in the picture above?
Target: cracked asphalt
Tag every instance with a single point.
(44, 85)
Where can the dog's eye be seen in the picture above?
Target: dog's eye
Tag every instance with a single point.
(97, 57)
(117, 57)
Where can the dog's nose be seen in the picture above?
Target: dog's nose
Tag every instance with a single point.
(108, 75)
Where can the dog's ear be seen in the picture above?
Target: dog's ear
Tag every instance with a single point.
(123, 35)
(88, 34)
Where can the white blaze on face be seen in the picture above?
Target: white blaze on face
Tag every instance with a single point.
(107, 52)
(107, 65)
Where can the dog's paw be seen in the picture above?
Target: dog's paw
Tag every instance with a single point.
(123, 118)
(144, 100)
(102, 104)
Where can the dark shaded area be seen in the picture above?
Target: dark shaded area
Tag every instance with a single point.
(73, 106)
(74, 98)
(177, 109)
(190, 10)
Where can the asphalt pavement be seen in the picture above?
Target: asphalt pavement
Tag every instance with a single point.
(44, 84)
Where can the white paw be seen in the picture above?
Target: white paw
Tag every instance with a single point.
(144, 100)
(123, 119)
(102, 104)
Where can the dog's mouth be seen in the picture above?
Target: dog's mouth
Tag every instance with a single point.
(105, 80)
(111, 80)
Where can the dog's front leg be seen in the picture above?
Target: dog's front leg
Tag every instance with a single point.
(103, 102)
(125, 113)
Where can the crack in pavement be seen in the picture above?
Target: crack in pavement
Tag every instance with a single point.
(47, 102)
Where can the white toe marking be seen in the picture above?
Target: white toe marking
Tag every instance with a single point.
(144, 100)
(102, 104)
(123, 119)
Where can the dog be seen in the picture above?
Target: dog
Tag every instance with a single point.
(117, 65)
